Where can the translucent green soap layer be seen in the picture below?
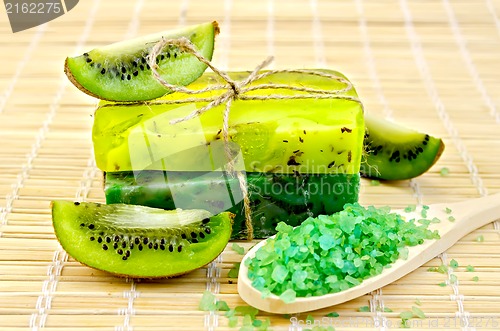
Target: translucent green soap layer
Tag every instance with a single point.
(274, 197)
(305, 135)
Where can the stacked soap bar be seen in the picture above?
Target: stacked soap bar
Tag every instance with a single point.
(274, 197)
(300, 153)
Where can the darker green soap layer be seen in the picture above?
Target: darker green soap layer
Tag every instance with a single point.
(290, 198)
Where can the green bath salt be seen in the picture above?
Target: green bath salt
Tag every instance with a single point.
(332, 253)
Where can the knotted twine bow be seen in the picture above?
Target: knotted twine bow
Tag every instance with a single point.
(236, 90)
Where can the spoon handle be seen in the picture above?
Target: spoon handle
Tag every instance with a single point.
(478, 212)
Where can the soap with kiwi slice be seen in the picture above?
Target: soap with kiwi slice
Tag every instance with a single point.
(395, 152)
(300, 155)
(138, 241)
(121, 71)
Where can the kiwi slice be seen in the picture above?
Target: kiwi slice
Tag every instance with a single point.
(120, 71)
(394, 152)
(138, 241)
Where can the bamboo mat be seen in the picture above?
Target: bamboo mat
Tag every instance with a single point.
(431, 65)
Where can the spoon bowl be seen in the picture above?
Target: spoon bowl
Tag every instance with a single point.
(467, 216)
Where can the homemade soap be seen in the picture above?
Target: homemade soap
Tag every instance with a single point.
(273, 197)
(296, 136)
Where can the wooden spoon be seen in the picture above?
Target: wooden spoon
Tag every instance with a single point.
(469, 215)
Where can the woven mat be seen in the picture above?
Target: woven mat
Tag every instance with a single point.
(431, 65)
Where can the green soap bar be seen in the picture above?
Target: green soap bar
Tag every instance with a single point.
(300, 134)
(290, 198)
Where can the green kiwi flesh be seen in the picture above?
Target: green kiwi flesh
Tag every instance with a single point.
(138, 241)
(394, 152)
(120, 71)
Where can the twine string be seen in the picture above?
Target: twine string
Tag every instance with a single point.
(237, 90)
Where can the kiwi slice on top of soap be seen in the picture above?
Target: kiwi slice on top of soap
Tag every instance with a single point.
(138, 241)
(394, 152)
(120, 71)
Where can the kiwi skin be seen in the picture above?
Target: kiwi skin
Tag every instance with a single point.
(394, 152)
(83, 229)
(72, 79)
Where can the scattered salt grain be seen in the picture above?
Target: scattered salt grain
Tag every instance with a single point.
(444, 171)
(207, 302)
(238, 249)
